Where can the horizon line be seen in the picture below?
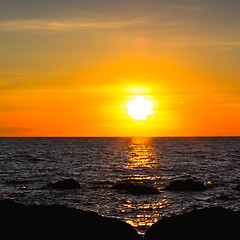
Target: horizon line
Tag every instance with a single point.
(207, 136)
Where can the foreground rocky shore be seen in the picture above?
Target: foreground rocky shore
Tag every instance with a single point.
(46, 222)
(59, 222)
(207, 223)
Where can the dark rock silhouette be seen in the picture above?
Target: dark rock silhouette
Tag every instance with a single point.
(223, 197)
(58, 222)
(64, 184)
(187, 185)
(16, 181)
(137, 189)
(208, 223)
(237, 187)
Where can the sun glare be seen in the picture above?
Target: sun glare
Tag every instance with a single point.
(139, 108)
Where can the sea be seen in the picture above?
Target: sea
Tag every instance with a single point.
(28, 165)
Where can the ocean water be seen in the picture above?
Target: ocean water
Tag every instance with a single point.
(27, 165)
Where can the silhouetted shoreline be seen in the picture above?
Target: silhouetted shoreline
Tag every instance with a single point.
(56, 222)
(38, 221)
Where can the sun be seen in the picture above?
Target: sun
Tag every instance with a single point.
(139, 108)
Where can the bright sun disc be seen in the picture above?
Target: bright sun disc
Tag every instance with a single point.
(139, 108)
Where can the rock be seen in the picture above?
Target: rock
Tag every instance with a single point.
(64, 184)
(58, 222)
(16, 181)
(237, 187)
(186, 185)
(222, 197)
(208, 223)
(137, 189)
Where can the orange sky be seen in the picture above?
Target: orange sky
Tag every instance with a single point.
(71, 71)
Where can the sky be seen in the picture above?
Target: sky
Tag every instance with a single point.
(70, 67)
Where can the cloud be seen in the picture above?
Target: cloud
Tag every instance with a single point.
(229, 43)
(61, 25)
(9, 131)
(63, 15)
(186, 7)
(213, 42)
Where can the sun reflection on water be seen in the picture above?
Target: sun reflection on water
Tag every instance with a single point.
(147, 214)
(140, 156)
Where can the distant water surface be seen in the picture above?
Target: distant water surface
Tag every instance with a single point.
(27, 165)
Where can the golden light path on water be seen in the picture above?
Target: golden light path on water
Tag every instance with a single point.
(141, 156)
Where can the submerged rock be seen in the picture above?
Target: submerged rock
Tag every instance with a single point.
(237, 187)
(206, 223)
(64, 184)
(57, 222)
(137, 189)
(187, 185)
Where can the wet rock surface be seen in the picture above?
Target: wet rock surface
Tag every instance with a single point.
(136, 189)
(57, 222)
(203, 224)
(189, 185)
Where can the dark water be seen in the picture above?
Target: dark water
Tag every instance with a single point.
(27, 165)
